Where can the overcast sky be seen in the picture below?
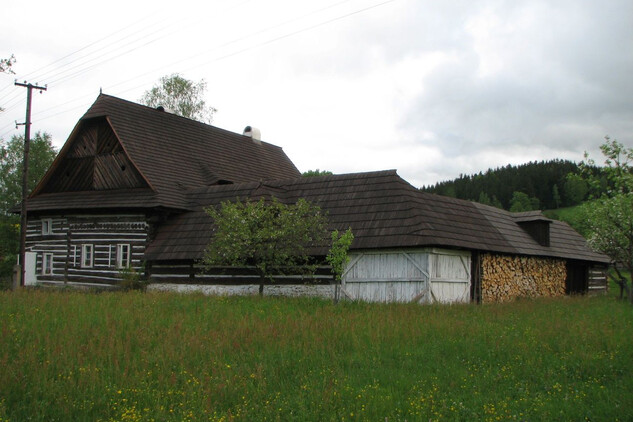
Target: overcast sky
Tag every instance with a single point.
(433, 89)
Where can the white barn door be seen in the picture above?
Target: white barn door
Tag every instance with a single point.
(421, 276)
(386, 276)
(30, 265)
(450, 276)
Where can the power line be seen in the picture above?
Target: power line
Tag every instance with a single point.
(58, 111)
(125, 39)
(226, 44)
(86, 47)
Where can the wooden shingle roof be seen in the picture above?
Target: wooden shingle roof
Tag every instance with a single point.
(384, 212)
(172, 154)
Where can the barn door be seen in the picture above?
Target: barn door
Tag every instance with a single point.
(450, 276)
(386, 276)
(30, 265)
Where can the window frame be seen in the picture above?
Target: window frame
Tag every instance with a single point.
(47, 263)
(120, 254)
(47, 226)
(87, 250)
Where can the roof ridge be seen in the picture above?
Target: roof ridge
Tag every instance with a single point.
(167, 113)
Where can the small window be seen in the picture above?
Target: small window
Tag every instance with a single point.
(87, 258)
(123, 255)
(47, 226)
(47, 264)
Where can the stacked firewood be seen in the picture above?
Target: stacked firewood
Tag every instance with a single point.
(505, 278)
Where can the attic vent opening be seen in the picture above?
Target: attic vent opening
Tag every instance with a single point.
(253, 133)
(538, 230)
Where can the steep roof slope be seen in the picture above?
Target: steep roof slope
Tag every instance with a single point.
(174, 154)
(383, 210)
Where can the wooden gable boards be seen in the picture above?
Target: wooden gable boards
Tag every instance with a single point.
(92, 160)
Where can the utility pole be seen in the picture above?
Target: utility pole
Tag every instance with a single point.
(25, 174)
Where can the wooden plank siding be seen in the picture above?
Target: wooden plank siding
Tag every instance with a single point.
(66, 243)
(450, 276)
(96, 161)
(598, 282)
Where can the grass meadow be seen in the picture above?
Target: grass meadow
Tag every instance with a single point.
(67, 356)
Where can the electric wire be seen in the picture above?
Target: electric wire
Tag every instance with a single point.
(43, 115)
(226, 44)
(123, 38)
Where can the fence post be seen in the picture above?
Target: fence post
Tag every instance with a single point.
(16, 277)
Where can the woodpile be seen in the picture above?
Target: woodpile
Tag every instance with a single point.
(505, 278)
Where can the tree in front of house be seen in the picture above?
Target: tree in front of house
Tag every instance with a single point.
(272, 237)
(338, 256)
(609, 218)
(181, 96)
(41, 156)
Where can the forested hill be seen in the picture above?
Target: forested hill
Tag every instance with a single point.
(531, 186)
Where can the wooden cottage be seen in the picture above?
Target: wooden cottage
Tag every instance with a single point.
(125, 170)
(130, 187)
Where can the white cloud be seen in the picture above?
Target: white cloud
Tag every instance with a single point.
(433, 89)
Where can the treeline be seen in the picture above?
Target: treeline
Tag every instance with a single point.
(535, 185)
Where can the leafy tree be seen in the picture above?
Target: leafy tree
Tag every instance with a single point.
(496, 202)
(610, 217)
(484, 199)
(337, 256)
(556, 196)
(5, 67)
(42, 153)
(522, 202)
(41, 156)
(317, 172)
(6, 64)
(273, 237)
(576, 189)
(9, 245)
(182, 96)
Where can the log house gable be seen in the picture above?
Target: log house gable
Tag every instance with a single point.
(93, 160)
(123, 154)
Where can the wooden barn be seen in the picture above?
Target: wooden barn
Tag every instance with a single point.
(130, 186)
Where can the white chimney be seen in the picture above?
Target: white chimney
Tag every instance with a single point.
(254, 133)
(165, 109)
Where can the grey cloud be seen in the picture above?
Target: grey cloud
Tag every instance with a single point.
(576, 76)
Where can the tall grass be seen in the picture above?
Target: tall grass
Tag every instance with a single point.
(154, 357)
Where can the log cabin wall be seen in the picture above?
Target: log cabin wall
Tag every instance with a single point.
(86, 248)
(505, 278)
(194, 273)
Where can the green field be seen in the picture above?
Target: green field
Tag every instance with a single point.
(68, 356)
